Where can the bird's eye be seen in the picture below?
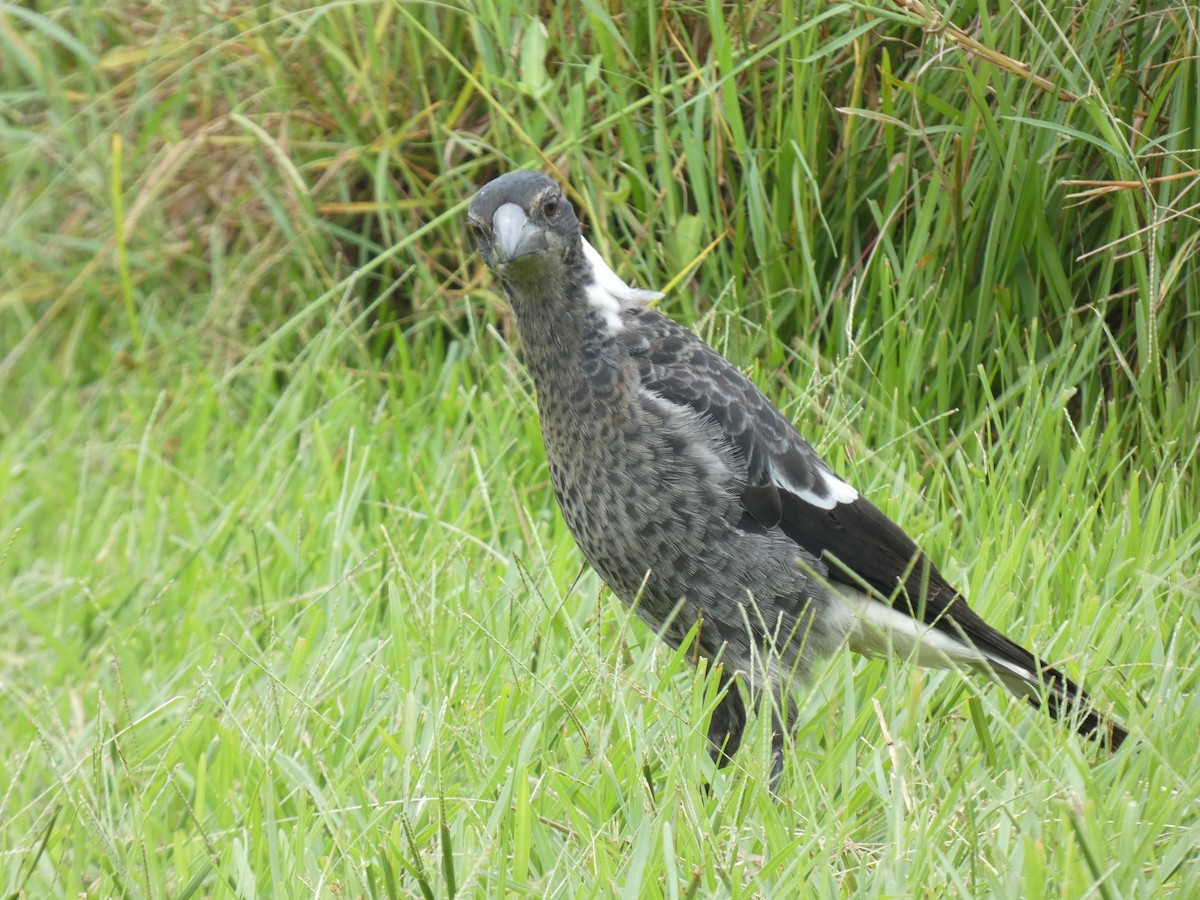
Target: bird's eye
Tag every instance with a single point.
(550, 207)
(477, 231)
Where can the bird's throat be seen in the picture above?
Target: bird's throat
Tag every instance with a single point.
(576, 363)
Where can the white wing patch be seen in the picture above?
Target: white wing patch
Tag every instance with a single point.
(607, 293)
(835, 490)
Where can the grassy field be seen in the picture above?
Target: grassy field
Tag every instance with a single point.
(286, 605)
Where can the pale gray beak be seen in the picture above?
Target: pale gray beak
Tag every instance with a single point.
(515, 234)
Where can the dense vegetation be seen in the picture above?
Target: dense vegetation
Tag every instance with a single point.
(287, 607)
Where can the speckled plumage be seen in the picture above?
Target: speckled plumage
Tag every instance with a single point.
(695, 499)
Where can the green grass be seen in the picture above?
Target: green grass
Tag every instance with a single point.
(287, 606)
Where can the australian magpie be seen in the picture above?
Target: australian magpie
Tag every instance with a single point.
(697, 501)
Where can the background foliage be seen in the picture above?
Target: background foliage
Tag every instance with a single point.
(287, 607)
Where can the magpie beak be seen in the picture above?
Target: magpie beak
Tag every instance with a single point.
(515, 235)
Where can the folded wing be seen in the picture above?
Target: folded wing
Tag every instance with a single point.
(898, 594)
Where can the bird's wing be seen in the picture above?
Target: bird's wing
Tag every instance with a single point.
(789, 486)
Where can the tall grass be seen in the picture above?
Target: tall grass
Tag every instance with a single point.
(287, 605)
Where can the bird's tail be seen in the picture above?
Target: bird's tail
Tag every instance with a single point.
(961, 639)
(1064, 699)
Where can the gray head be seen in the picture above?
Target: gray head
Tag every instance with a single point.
(525, 228)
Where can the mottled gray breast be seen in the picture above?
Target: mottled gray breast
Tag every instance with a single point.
(654, 507)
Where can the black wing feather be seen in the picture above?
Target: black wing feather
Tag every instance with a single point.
(864, 546)
(860, 544)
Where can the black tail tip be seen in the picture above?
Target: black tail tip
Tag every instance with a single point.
(1110, 733)
(1069, 701)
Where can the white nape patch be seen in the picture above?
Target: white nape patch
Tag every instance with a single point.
(836, 491)
(607, 293)
(879, 628)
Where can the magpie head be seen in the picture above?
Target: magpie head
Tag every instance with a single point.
(525, 228)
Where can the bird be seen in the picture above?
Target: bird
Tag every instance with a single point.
(702, 507)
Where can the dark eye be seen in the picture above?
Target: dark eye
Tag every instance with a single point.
(550, 207)
(477, 231)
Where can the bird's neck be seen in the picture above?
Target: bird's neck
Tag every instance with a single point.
(572, 353)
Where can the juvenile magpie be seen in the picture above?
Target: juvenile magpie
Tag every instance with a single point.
(696, 500)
